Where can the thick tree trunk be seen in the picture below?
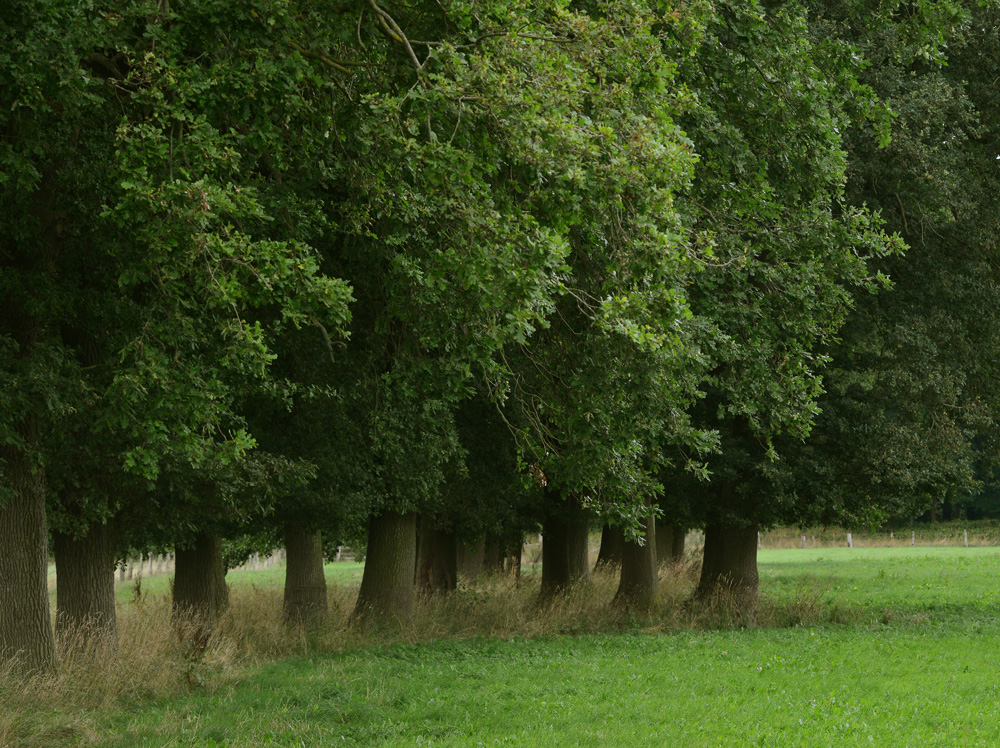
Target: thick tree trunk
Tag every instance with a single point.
(200, 592)
(386, 593)
(471, 560)
(85, 588)
(555, 556)
(664, 536)
(26, 636)
(305, 581)
(578, 544)
(612, 543)
(729, 570)
(677, 537)
(565, 550)
(437, 559)
(493, 557)
(639, 581)
(669, 543)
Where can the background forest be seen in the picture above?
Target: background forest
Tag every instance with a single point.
(426, 275)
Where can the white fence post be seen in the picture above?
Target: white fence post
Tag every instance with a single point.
(966, 538)
(803, 541)
(850, 541)
(913, 537)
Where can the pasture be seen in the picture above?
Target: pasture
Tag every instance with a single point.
(863, 646)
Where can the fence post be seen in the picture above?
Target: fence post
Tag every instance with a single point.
(803, 541)
(758, 541)
(850, 541)
(913, 537)
(966, 538)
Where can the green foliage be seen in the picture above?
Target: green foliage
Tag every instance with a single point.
(147, 249)
(784, 252)
(910, 418)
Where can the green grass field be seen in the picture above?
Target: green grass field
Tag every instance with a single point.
(893, 647)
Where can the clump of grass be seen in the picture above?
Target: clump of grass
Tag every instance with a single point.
(151, 661)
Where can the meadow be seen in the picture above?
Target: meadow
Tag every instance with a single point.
(862, 646)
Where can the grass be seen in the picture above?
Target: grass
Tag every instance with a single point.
(871, 646)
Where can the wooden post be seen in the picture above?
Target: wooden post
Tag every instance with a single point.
(913, 537)
(758, 541)
(850, 541)
(966, 538)
(803, 541)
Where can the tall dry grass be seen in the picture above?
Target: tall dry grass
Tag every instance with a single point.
(150, 661)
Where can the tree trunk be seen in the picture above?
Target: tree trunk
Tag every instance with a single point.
(578, 544)
(200, 592)
(26, 636)
(386, 593)
(555, 556)
(612, 542)
(471, 560)
(677, 536)
(729, 570)
(639, 582)
(85, 588)
(664, 536)
(493, 556)
(305, 581)
(565, 550)
(669, 543)
(437, 559)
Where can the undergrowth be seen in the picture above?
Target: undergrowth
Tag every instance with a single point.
(150, 661)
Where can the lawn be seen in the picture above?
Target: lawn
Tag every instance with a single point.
(914, 664)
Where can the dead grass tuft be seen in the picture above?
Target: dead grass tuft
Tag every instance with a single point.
(151, 661)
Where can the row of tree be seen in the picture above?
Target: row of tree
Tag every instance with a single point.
(277, 269)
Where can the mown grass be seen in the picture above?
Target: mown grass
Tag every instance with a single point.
(875, 646)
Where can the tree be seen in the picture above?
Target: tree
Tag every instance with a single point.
(603, 390)
(123, 153)
(786, 253)
(639, 578)
(909, 420)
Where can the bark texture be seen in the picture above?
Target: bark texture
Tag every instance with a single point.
(493, 556)
(612, 542)
(85, 588)
(579, 544)
(471, 560)
(565, 549)
(729, 570)
(639, 581)
(386, 593)
(305, 583)
(677, 537)
(26, 636)
(669, 543)
(437, 559)
(555, 556)
(200, 591)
